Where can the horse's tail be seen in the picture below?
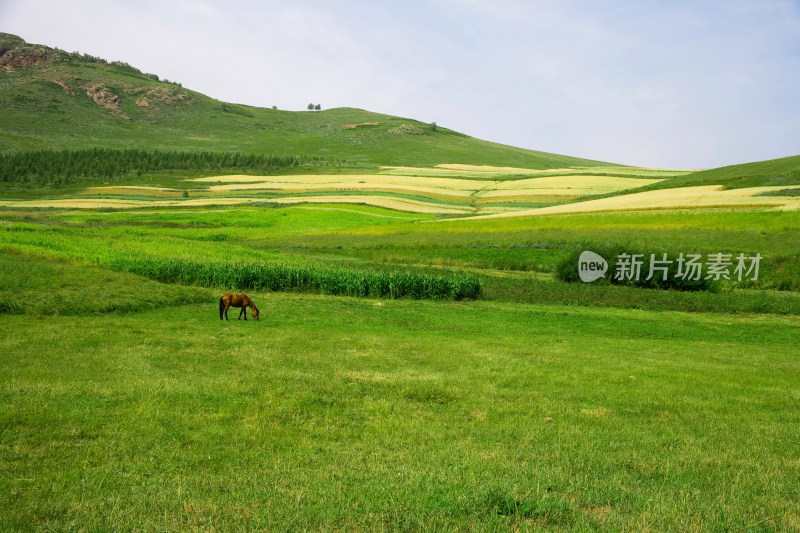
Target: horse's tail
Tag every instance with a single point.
(221, 307)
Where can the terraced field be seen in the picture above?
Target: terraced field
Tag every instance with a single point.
(700, 197)
(448, 189)
(445, 189)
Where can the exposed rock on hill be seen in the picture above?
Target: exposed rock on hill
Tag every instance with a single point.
(104, 84)
(405, 129)
(107, 99)
(16, 53)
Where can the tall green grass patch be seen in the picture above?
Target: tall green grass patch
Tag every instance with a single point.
(303, 278)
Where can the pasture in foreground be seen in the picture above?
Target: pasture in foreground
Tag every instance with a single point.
(340, 413)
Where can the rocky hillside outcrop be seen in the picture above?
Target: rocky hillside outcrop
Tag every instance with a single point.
(16, 53)
(110, 85)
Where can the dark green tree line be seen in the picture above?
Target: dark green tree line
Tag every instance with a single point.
(48, 167)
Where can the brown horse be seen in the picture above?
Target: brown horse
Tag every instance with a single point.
(237, 300)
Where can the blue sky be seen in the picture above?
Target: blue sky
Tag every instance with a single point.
(686, 84)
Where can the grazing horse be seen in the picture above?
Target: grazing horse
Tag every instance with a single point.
(237, 300)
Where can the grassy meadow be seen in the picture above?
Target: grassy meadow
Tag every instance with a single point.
(127, 404)
(342, 413)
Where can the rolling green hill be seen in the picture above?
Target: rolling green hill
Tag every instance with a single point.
(774, 172)
(51, 99)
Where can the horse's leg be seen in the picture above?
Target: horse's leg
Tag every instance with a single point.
(227, 305)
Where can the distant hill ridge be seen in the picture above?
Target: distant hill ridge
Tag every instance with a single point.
(52, 99)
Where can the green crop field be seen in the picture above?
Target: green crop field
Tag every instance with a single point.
(415, 367)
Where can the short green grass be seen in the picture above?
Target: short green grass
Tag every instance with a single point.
(40, 287)
(338, 413)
